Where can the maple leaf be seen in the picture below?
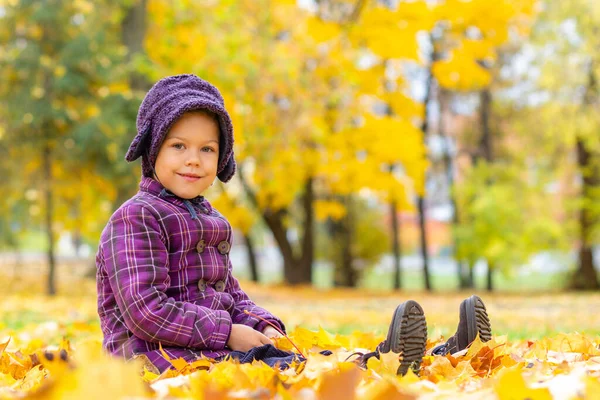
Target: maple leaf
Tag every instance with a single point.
(592, 386)
(386, 389)
(443, 368)
(32, 380)
(180, 364)
(511, 386)
(4, 345)
(326, 340)
(387, 364)
(15, 364)
(340, 383)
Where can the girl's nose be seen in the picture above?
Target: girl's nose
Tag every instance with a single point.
(193, 160)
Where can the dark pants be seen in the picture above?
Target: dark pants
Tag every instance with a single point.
(270, 355)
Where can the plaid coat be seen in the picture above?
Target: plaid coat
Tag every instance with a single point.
(164, 276)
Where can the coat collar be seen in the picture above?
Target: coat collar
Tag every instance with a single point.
(155, 188)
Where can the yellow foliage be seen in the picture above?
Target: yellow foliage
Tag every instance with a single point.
(339, 384)
(239, 216)
(328, 209)
(461, 74)
(512, 386)
(571, 343)
(387, 364)
(504, 369)
(491, 21)
(370, 81)
(403, 106)
(491, 18)
(321, 31)
(592, 386)
(285, 132)
(386, 34)
(417, 13)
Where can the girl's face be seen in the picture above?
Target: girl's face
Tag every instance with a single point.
(188, 158)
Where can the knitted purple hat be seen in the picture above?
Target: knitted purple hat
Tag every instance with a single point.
(166, 102)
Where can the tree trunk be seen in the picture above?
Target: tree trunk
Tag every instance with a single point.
(345, 273)
(356, 10)
(421, 207)
(348, 258)
(47, 162)
(133, 32)
(251, 257)
(461, 271)
(471, 275)
(585, 277)
(486, 149)
(274, 221)
(308, 240)
(490, 278)
(484, 114)
(421, 199)
(396, 245)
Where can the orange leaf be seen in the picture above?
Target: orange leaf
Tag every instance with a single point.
(340, 384)
(4, 345)
(180, 364)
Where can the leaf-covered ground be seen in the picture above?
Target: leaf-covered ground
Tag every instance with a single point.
(544, 346)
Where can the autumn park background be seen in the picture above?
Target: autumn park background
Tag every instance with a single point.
(386, 149)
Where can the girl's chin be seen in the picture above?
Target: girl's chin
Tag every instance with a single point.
(185, 194)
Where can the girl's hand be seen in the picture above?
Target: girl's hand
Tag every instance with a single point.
(271, 332)
(243, 338)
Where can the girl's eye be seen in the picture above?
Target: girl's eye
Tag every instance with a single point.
(179, 146)
(208, 149)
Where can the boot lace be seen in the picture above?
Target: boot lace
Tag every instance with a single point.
(362, 358)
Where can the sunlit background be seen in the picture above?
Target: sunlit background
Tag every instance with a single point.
(429, 145)
(386, 150)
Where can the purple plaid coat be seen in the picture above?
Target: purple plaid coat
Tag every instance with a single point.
(165, 277)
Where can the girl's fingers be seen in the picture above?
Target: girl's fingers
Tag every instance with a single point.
(266, 340)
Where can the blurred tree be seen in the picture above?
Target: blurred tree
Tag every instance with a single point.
(298, 101)
(382, 166)
(55, 61)
(566, 38)
(13, 210)
(390, 91)
(136, 84)
(464, 47)
(240, 216)
(241, 63)
(508, 221)
(458, 39)
(368, 240)
(133, 34)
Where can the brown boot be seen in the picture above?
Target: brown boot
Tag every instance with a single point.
(407, 335)
(473, 321)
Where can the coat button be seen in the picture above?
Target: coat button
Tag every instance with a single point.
(223, 247)
(220, 286)
(200, 246)
(202, 285)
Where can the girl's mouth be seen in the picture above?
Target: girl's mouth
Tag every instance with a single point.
(190, 178)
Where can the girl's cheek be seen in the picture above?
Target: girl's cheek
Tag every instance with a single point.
(211, 157)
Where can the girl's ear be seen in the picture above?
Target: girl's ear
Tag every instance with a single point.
(139, 144)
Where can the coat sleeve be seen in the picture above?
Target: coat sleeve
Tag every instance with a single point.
(243, 302)
(137, 264)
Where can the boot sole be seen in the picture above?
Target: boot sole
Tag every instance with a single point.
(477, 320)
(407, 335)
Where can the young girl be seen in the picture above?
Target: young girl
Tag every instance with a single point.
(164, 275)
